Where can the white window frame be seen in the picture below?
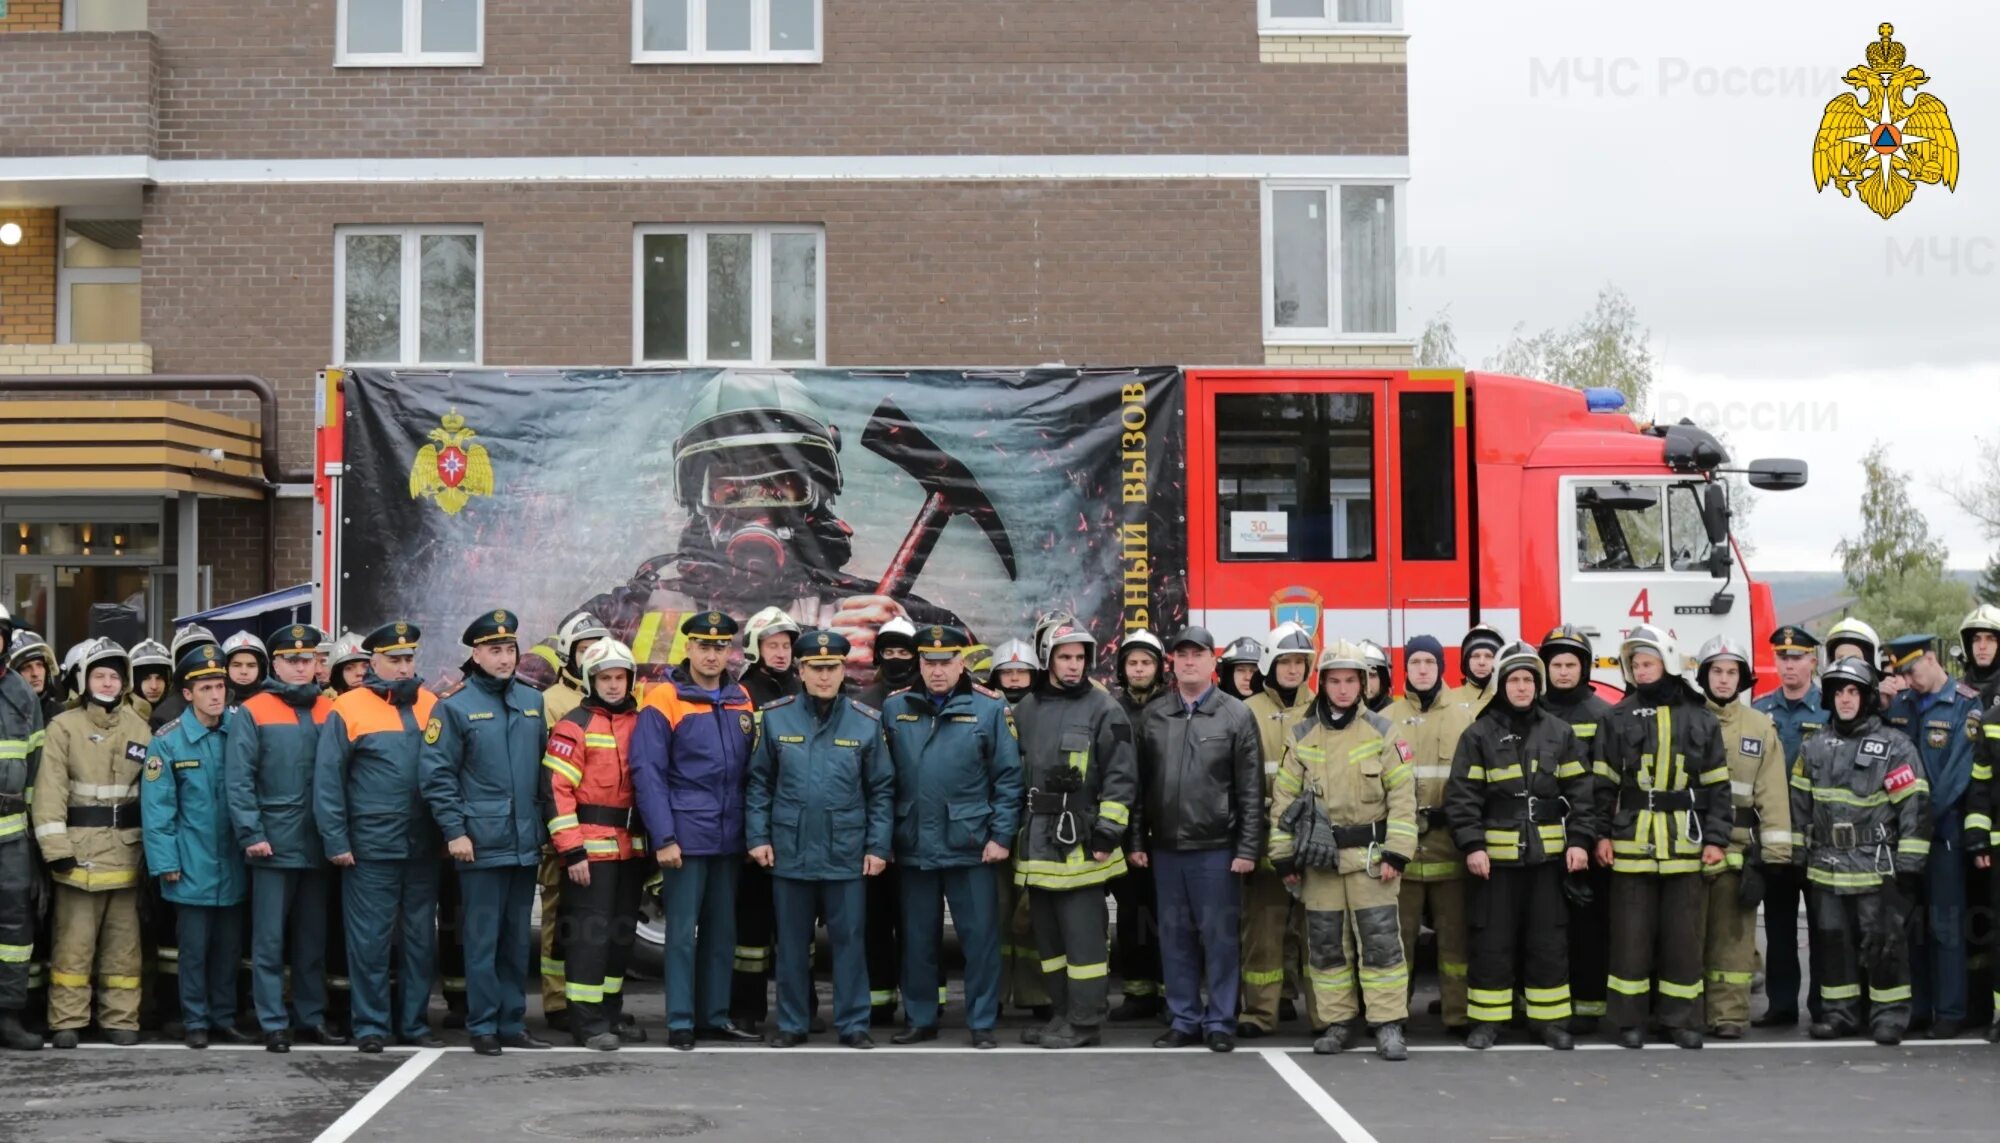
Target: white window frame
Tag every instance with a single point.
(1331, 335)
(67, 276)
(1328, 25)
(410, 297)
(412, 54)
(69, 15)
(760, 292)
(760, 33)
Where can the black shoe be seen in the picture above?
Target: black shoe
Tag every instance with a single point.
(369, 1045)
(1888, 1035)
(1776, 1019)
(1137, 1008)
(629, 1032)
(424, 1041)
(196, 1038)
(1249, 1031)
(66, 1039)
(1827, 1030)
(1631, 1037)
(861, 1040)
(983, 1038)
(1482, 1036)
(1221, 1042)
(227, 1034)
(729, 1033)
(1175, 1038)
(1689, 1038)
(1583, 1025)
(486, 1045)
(1947, 1029)
(1287, 1010)
(817, 1025)
(1558, 1037)
(1043, 1012)
(454, 1018)
(13, 1036)
(123, 1037)
(280, 1042)
(526, 1041)
(1389, 1042)
(882, 1016)
(783, 1039)
(916, 1035)
(680, 1039)
(320, 1035)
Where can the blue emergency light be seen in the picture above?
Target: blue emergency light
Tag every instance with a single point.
(1604, 400)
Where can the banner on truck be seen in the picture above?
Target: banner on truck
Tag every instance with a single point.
(846, 496)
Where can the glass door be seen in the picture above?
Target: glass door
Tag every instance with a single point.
(57, 599)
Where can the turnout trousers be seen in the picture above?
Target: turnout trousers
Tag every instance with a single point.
(1656, 944)
(1071, 934)
(1354, 948)
(1729, 951)
(1020, 955)
(96, 936)
(17, 922)
(756, 932)
(1137, 937)
(549, 877)
(1520, 939)
(1445, 902)
(597, 926)
(884, 940)
(1590, 947)
(288, 915)
(1842, 922)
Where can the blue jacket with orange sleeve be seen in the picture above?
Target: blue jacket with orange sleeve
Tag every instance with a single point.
(690, 764)
(269, 763)
(365, 794)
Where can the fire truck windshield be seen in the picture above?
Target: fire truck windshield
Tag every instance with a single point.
(1640, 526)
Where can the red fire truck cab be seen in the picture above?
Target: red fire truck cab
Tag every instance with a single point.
(1384, 505)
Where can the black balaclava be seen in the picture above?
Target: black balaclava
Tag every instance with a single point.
(1331, 716)
(1845, 727)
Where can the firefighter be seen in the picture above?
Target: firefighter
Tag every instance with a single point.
(191, 847)
(29, 655)
(1272, 919)
(820, 811)
(1567, 657)
(1663, 797)
(1521, 806)
(480, 771)
(186, 638)
(1140, 670)
(587, 799)
(1381, 677)
(1343, 827)
(347, 666)
(1853, 637)
(1861, 822)
(576, 634)
(1236, 669)
(269, 763)
(690, 789)
(1979, 651)
(86, 815)
(958, 772)
(22, 890)
(1940, 716)
(1475, 666)
(1433, 883)
(768, 675)
(374, 826)
(894, 656)
(1795, 711)
(1982, 809)
(1013, 674)
(323, 661)
(1081, 781)
(152, 671)
(1760, 834)
(248, 664)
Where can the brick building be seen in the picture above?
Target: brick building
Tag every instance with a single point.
(269, 186)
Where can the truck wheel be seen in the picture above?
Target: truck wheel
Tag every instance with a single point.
(649, 942)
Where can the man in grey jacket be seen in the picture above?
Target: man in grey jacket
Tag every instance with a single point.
(1200, 828)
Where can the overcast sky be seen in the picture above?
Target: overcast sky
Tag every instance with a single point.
(1559, 145)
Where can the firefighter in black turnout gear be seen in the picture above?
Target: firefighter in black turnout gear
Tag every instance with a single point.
(768, 675)
(23, 888)
(1141, 671)
(1567, 657)
(895, 657)
(1861, 818)
(1080, 779)
(1520, 801)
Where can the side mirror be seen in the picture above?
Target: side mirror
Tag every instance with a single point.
(1715, 514)
(1777, 475)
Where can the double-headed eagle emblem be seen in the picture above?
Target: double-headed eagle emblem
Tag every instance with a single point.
(451, 469)
(1875, 143)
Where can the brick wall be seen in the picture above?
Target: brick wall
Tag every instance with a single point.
(232, 544)
(1324, 49)
(255, 78)
(28, 279)
(32, 16)
(1341, 356)
(16, 360)
(77, 93)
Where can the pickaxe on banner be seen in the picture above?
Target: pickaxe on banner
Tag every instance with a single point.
(950, 490)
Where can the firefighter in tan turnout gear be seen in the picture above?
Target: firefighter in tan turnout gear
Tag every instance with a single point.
(1343, 814)
(1430, 724)
(1272, 923)
(86, 814)
(1761, 834)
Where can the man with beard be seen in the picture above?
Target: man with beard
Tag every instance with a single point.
(769, 675)
(1080, 783)
(1140, 669)
(1272, 919)
(1567, 654)
(1433, 884)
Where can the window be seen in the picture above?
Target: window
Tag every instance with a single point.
(1687, 531)
(1429, 464)
(1305, 17)
(1295, 476)
(407, 295)
(97, 279)
(726, 31)
(742, 294)
(1330, 262)
(426, 33)
(102, 15)
(1619, 527)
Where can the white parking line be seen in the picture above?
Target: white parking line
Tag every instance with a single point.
(1344, 1125)
(357, 1117)
(1854, 1043)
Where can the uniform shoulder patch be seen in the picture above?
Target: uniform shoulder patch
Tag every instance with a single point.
(979, 688)
(433, 730)
(154, 768)
(451, 690)
(1403, 749)
(866, 710)
(781, 700)
(560, 745)
(747, 724)
(1751, 747)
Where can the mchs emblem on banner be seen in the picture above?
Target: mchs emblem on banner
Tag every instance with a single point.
(451, 470)
(1873, 141)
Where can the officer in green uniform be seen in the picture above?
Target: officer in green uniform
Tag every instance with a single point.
(191, 848)
(480, 770)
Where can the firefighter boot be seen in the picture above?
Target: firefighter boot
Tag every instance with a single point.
(1389, 1042)
(12, 1035)
(1067, 1035)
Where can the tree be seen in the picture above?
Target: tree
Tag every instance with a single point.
(1895, 568)
(1978, 495)
(1438, 347)
(1989, 584)
(1605, 348)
